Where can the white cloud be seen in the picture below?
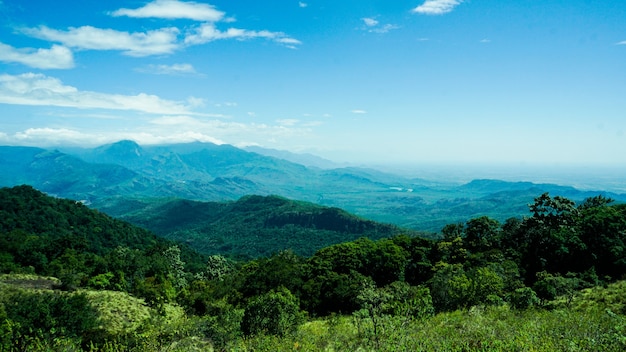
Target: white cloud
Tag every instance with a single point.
(485, 40)
(155, 42)
(373, 25)
(196, 102)
(61, 136)
(175, 69)
(230, 131)
(174, 9)
(384, 29)
(57, 57)
(288, 122)
(359, 111)
(40, 90)
(370, 22)
(163, 130)
(207, 33)
(50, 136)
(158, 41)
(302, 4)
(436, 7)
(621, 43)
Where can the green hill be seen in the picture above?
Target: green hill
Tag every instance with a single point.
(255, 226)
(53, 236)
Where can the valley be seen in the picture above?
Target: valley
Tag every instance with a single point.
(120, 178)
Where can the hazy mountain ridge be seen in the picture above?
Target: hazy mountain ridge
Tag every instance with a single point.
(209, 172)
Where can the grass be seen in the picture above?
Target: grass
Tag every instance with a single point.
(593, 320)
(477, 329)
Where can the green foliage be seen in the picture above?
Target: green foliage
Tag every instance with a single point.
(175, 266)
(549, 287)
(392, 307)
(118, 313)
(450, 287)
(523, 298)
(5, 328)
(222, 323)
(275, 313)
(256, 226)
(479, 329)
(45, 314)
(481, 234)
(217, 267)
(485, 279)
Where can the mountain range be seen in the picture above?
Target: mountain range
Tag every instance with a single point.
(118, 178)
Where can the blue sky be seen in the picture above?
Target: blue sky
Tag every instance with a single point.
(436, 81)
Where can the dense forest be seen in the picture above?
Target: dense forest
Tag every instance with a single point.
(74, 278)
(254, 226)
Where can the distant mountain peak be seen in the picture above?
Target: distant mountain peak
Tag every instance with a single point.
(123, 148)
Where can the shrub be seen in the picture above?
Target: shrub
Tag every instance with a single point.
(523, 298)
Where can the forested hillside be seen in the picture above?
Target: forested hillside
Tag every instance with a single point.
(255, 226)
(77, 279)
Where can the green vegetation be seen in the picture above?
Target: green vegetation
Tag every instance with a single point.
(79, 280)
(256, 226)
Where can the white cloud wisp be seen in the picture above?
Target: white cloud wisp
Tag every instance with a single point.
(40, 90)
(437, 7)
(154, 42)
(173, 9)
(208, 32)
(57, 57)
(175, 69)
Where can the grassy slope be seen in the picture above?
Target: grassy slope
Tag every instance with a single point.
(595, 320)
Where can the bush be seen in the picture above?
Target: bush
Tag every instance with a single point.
(523, 298)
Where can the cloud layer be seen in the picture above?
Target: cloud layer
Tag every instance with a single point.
(40, 90)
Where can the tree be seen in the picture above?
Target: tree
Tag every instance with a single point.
(523, 298)
(176, 267)
(452, 231)
(276, 312)
(487, 286)
(552, 240)
(481, 234)
(549, 287)
(603, 230)
(218, 267)
(450, 287)
(553, 211)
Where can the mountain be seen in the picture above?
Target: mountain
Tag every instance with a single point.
(306, 159)
(256, 225)
(124, 170)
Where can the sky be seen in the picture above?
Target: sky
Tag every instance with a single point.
(434, 81)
